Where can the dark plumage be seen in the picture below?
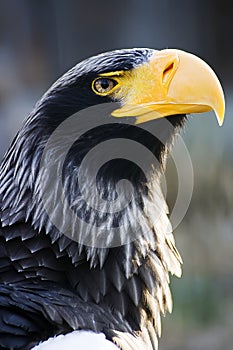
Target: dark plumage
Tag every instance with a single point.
(50, 284)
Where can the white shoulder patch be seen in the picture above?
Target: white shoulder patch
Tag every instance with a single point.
(77, 340)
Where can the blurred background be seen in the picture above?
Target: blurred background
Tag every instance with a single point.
(39, 40)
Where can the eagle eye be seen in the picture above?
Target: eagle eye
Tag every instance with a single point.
(103, 86)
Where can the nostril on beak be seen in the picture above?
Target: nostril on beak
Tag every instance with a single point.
(167, 73)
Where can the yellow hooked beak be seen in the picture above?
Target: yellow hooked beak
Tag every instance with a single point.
(172, 82)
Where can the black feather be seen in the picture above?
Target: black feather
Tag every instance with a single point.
(50, 283)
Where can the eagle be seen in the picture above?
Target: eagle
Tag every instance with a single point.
(86, 245)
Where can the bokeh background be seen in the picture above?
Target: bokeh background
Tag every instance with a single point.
(41, 39)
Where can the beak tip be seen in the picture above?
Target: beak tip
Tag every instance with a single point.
(220, 120)
(220, 114)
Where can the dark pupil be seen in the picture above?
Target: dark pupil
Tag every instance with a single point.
(104, 84)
